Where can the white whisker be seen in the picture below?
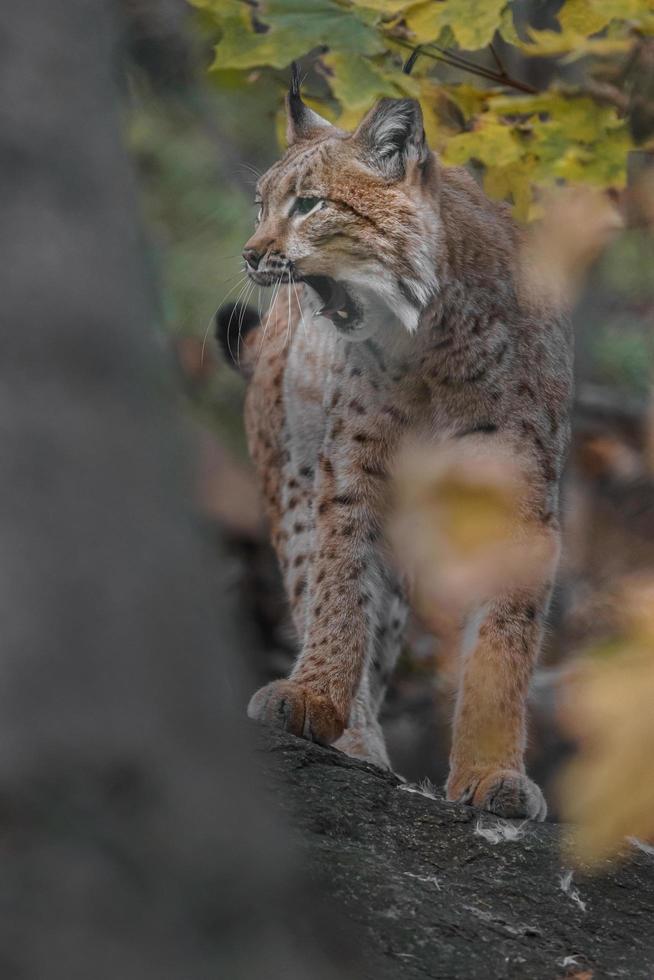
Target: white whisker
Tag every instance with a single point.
(269, 313)
(231, 317)
(244, 304)
(304, 322)
(288, 323)
(253, 170)
(213, 316)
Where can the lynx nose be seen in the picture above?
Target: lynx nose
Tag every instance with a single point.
(252, 257)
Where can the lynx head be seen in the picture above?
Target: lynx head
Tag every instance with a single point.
(353, 215)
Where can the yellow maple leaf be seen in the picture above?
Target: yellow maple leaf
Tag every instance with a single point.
(472, 23)
(573, 44)
(607, 791)
(513, 181)
(491, 142)
(507, 26)
(590, 16)
(391, 7)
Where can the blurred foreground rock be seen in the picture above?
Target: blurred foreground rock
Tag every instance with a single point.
(134, 841)
(435, 890)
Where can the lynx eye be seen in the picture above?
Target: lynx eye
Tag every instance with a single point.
(305, 204)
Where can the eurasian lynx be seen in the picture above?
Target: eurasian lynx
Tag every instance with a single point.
(421, 326)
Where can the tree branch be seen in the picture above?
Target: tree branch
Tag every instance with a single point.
(456, 61)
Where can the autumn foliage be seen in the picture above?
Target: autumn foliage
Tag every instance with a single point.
(574, 119)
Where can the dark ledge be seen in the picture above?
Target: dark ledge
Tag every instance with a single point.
(429, 896)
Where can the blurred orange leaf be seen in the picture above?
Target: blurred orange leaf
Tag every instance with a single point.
(607, 791)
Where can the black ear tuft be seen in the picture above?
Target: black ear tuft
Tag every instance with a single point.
(294, 102)
(302, 122)
(232, 323)
(295, 80)
(392, 134)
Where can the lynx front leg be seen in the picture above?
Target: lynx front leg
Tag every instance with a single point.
(488, 742)
(344, 589)
(317, 699)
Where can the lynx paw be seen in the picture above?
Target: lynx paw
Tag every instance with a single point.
(506, 792)
(297, 709)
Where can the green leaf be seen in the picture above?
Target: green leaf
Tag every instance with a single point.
(216, 7)
(357, 83)
(286, 30)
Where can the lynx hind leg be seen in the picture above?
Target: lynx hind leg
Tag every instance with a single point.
(364, 738)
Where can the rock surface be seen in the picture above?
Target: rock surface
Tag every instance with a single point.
(436, 890)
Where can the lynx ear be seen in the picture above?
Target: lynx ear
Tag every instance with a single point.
(302, 122)
(392, 134)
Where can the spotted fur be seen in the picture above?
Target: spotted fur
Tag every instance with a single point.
(435, 337)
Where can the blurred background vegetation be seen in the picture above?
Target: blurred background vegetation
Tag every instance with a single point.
(558, 93)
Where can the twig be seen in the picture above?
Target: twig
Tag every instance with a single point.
(447, 58)
(501, 78)
(456, 61)
(496, 56)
